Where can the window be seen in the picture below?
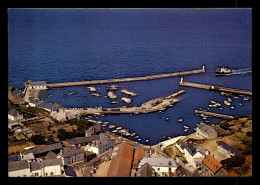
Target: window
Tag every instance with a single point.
(52, 173)
(158, 169)
(46, 174)
(36, 174)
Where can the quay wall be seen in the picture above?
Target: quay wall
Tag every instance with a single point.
(223, 116)
(152, 77)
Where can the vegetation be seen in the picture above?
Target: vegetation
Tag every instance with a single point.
(81, 123)
(38, 139)
(50, 140)
(63, 135)
(234, 161)
(224, 125)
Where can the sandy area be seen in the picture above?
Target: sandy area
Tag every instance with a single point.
(102, 169)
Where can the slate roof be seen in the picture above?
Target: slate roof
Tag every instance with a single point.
(229, 148)
(212, 163)
(51, 155)
(206, 129)
(83, 140)
(120, 165)
(103, 140)
(50, 162)
(69, 171)
(158, 162)
(67, 152)
(94, 129)
(14, 158)
(37, 83)
(44, 149)
(18, 165)
(43, 104)
(146, 171)
(35, 166)
(181, 143)
(191, 149)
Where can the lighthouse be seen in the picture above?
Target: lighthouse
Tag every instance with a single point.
(181, 79)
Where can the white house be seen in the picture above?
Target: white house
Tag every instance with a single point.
(100, 146)
(180, 145)
(205, 131)
(51, 167)
(227, 150)
(14, 115)
(19, 168)
(194, 156)
(162, 166)
(36, 171)
(38, 85)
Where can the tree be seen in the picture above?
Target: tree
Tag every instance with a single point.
(38, 139)
(62, 134)
(234, 161)
(50, 140)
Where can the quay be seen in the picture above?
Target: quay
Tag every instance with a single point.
(152, 77)
(223, 116)
(215, 88)
(147, 107)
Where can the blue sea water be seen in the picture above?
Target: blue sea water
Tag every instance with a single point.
(61, 45)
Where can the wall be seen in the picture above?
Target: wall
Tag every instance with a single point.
(20, 173)
(49, 169)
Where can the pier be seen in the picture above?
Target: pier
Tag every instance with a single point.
(215, 88)
(223, 116)
(153, 105)
(152, 77)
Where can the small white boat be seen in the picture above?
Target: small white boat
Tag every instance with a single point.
(133, 134)
(212, 101)
(236, 97)
(232, 107)
(127, 100)
(119, 128)
(92, 89)
(104, 125)
(210, 105)
(229, 100)
(139, 139)
(167, 118)
(114, 102)
(111, 126)
(96, 94)
(136, 137)
(106, 122)
(246, 98)
(186, 127)
(115, 131)
(169, 137)
(180, 120)
(226, 102)
(220, 108)
(240, 104)
(147, 140)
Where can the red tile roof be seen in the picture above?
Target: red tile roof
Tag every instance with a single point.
(139, 154)
(120, 165)
(212, 163)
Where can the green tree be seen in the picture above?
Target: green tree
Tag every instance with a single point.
(38, 139)
(62, 134)
(50, 140)
(234, 161)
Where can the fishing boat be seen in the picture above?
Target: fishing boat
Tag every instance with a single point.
(115, 131)
(127, 100)
(127, 134)
(180, 120)
(111, 126)
(147, 140)
(133, 134)
(223, 70)
(119, 128)
(92, 88)
(114, 102)
(226, 102)
(167, 118)
(111, 95)
(136, 137)
(95, 94)
(131, 93)
(212, 101)
(112, 87)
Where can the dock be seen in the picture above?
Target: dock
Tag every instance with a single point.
(215, 88)
(223, 116)
(152, 77)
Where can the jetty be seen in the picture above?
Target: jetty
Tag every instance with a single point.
(215, 88)
(153, 105)
(110, 81)
(223, 116)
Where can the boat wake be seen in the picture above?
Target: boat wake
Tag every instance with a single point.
(240, 71)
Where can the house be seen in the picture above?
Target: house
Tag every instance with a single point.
(100, 146)
(162, 166)
(36, 171)
(71, 155)
(14, 158)
(14, 115)
(180, 145)
(120, 165)
(205, 132)
(51, 155)
(38, 85)
(212, 167)
(193, 155)
(83, 140)
(29, 157)
(44, 105)
(19, 169)
(146, 171)
(14, 93)
(42, 151)
(51, 167)
(94, 130)
(227, 150)
(14, 124)
(58, 112)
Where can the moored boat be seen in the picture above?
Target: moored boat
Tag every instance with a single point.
(223, 70)
(180, 120)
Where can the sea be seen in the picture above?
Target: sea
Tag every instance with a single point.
(66, 45)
